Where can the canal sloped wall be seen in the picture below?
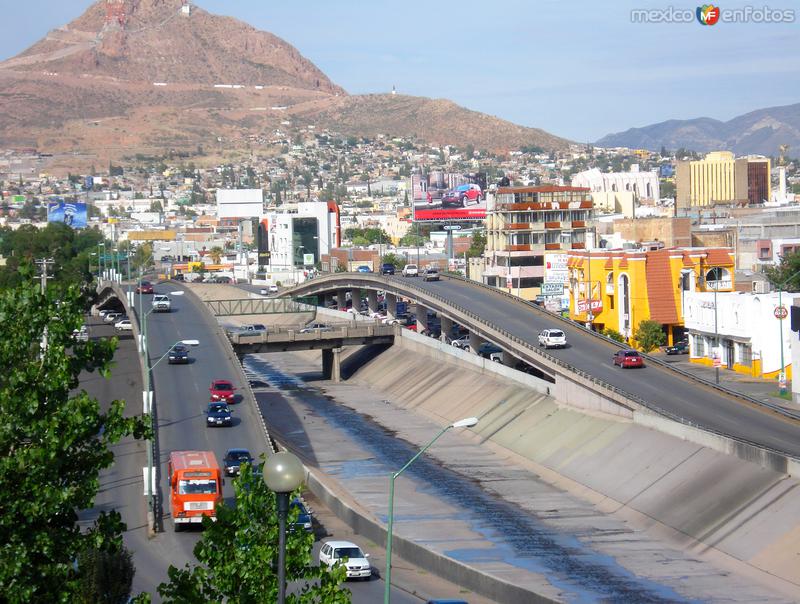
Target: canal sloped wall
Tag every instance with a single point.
(732, 512)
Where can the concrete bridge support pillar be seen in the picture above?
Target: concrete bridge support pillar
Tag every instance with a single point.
(332, 364)
(422, 318)
(509, 360)
(475, 341)
(327, 363)
(341, 298)
(391, 306)
(372, 300)
(447, 330)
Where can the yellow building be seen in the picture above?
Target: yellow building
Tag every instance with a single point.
(722, 178)
(618, 289)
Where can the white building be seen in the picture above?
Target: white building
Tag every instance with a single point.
(240, 203)
(748, 331)
(622, 189)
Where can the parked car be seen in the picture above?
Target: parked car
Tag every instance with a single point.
(553, 338)
(81, 335)
(123, 325)
(363, 269)
(349, 554)
(145, 287)
(303, 521)
(628, 358)
(270, 289)
(179, 277)
(681, 347)
(178, 354)
(462, 195)
(112, 317)
(387, 268)
(489, 350)
(219, 414)
(462, 342)
(312, 327)
(233, 460)
(224, 279)
(222, 390)
(431, 274)
(410, 270)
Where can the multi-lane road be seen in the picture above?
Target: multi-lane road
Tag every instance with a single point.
(657, 385)
(181, 399)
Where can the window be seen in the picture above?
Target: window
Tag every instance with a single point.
(197, 487)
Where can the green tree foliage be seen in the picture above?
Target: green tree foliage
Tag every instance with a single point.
(71, 249)
(613, 334)
(105, 576)
(370, 235)
(216, 254)
(54, 441)
(391, 258)
(237, 556)
(650, 335)
(478, 244)
(786, 274)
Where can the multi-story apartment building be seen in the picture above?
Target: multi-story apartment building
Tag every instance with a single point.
(721, 178)
(527, 222)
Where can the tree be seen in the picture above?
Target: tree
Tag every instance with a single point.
(650, 335)
(613, 334)
(216, 254)
(105, 576)
(786, 274)
(392, 258)
(155, 206)
(478, 245)
(54, 441)
(237, 555)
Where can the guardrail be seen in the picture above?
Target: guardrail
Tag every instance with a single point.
(490, 330)
(284, 334)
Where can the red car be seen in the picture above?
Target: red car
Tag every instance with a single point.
(462, 195)
(222, 390)
(145, 287)
(628, 358)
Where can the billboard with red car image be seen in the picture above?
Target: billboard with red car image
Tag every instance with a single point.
(447, 196)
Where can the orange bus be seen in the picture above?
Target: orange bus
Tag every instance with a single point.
(195, 486)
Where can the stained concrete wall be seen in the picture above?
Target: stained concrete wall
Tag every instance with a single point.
(695, 497)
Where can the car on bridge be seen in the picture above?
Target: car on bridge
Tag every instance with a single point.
(271, 289)
(349, 555)
(178, 354)
(431, 274)
(303, 521)
(552, 338)
(363, 269)
(222, 390)
(233, 460)
(250, 329)
(628, 358)
(312, 327)
(219, 414)
(387, 268)
(410, 270)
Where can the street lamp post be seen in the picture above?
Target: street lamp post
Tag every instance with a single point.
(463, 423)
(283, 473)
(717, 355)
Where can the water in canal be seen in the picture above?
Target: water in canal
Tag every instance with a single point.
(520, 539)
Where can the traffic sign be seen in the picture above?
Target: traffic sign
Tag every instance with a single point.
(452, 227)
(781, 312)
(717, 360)
(552, 289)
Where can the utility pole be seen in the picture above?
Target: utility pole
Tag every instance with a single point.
(43, 264)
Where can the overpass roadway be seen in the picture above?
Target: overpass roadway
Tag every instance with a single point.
(515, 326)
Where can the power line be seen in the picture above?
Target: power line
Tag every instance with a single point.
(43, 265)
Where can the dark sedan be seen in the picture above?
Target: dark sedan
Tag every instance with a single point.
(219, 414)
(178, 354)
(681, 347)
(234, 459)
(303, 521)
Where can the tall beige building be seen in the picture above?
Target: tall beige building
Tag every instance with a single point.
(721, 178)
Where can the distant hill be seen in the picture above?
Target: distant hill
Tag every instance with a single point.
(145, 76)
(758, 132)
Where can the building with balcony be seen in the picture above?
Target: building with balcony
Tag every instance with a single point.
(721, 178)
(618, 289)
(526, 223)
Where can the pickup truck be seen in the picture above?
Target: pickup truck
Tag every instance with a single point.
(161, 303)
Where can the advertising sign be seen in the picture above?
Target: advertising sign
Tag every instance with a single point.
(552, 289)
(72, 213)
(597, 305)
(449, 196)
(308, 259)
(88, 182)
(555, 268)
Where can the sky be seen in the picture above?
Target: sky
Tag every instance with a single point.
(578, 69)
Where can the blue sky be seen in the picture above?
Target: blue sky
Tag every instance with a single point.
(578, 69)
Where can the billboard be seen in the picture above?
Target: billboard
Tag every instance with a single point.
(240, 203)
(71, 213)
(445, 196)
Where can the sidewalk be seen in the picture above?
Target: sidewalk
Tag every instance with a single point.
(762, 389)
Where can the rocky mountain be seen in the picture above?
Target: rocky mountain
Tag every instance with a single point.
(759, 132)
(133, 76)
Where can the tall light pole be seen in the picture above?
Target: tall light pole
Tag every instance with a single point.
(778, 315)
(463, 423)
(717, 354)
(283, 473)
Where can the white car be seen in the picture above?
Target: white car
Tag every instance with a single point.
(265, 291)
(462, 342)
(349, 554)
(410, 270)
(123, 325)
(553, 338)
(112, 317)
